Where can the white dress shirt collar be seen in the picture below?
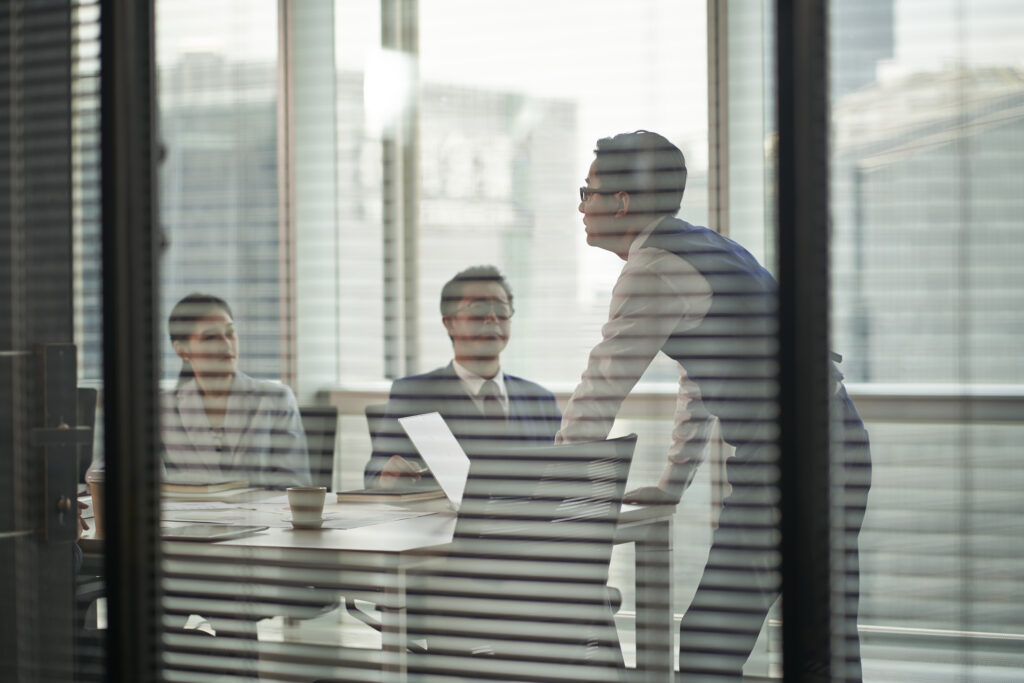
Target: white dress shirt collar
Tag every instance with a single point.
(639, 240)
(474, 381)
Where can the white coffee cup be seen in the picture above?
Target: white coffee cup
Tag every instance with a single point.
(307, 504)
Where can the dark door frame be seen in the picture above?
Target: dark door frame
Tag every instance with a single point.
(37, 359)
(130, 306)
(801, 82)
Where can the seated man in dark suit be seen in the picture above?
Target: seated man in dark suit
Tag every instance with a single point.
(482, 405)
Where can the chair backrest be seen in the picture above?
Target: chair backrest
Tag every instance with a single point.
(321, 425)
(375, 415)
(86, 418)
(546, 503)
(386, 434)
(525, 577)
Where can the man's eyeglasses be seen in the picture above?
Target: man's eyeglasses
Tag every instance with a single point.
(587, 192)
(482, 308)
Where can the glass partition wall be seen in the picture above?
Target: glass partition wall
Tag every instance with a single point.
(49, 337)
(323, 169)
(926, 125)
(328, 168)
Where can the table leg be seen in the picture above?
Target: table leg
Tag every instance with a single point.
(394, 628)
(654, 652)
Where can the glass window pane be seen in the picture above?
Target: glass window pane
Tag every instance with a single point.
(926, 131)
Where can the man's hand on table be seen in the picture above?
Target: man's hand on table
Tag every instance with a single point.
(399, 470)
(650, 495)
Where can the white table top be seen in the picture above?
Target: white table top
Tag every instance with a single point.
(348, 527)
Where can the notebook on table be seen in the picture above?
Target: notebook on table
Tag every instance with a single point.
(209, 487)
(208, 532)
(405, 494)
(447, 465)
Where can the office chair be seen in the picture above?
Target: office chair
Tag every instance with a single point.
(520, 593)
(321, 426)
(386, 435)
(375, 415)
(89, 585)
(86, 399)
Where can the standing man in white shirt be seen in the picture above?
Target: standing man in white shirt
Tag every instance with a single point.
(704, 301)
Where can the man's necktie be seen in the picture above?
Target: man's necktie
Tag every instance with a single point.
(491, 400)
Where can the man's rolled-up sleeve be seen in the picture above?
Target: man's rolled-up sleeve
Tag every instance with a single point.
(656, 294)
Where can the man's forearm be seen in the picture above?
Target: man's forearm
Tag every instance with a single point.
(677, 476)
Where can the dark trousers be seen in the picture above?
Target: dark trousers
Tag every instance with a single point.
(742, 575)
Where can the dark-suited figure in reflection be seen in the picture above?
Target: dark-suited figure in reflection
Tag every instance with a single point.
(705, 302)
(220, 424)
(482, 405)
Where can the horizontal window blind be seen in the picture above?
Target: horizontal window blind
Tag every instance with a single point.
(925, 112)
(328, 168)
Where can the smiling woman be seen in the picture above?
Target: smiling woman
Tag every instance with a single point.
(218, 423)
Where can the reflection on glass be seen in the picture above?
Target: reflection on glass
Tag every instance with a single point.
(926, 124)
(505, 107)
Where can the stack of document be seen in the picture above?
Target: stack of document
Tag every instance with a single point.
(221, 490)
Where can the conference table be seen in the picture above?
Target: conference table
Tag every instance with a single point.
(369, 551)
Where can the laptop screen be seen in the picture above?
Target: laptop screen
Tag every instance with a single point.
(441, 451)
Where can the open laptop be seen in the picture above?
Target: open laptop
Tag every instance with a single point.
(518, 473)
(440, 450)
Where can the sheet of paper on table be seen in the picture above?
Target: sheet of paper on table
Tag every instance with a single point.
(274, 512)
(276, 515)
(168, 506)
